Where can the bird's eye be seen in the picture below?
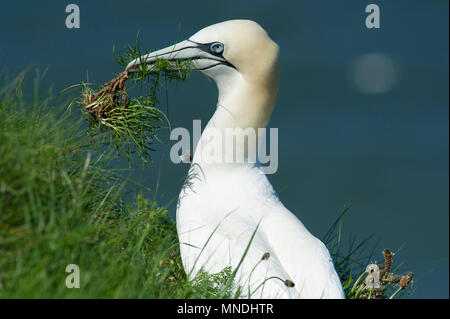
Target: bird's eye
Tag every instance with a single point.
(216, 48)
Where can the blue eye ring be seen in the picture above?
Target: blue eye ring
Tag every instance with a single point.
(216, 48)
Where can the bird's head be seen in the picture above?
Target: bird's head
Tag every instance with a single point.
(243, 61)
(225, 50)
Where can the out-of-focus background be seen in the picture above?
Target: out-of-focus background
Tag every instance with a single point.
(362, 113)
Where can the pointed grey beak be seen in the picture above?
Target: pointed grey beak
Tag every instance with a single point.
(185, 50)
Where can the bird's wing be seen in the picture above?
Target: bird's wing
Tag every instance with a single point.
(304, 257)
(214, 248)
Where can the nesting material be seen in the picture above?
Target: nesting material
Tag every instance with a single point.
(131, 123)
(100, 104)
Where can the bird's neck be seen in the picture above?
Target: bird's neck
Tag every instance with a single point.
(244, 107)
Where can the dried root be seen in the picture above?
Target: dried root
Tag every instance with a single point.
(99, 103)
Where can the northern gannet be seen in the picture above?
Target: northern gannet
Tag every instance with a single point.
(222, 204)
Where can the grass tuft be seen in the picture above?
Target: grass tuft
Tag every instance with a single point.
(60, 205)
(132, 123)
(353, 265)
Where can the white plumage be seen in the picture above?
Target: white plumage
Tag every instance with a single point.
(237, 198)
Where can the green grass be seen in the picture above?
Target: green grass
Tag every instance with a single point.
(61, 204)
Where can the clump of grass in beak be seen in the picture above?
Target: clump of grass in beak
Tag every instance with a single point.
(131, 124)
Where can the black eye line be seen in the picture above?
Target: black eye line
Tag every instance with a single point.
(206, 47)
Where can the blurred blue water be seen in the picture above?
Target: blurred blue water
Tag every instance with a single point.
(388, 152)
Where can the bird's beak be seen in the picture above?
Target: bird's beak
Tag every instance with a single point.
(185, 50)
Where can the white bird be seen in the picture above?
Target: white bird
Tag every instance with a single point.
(222, 205)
